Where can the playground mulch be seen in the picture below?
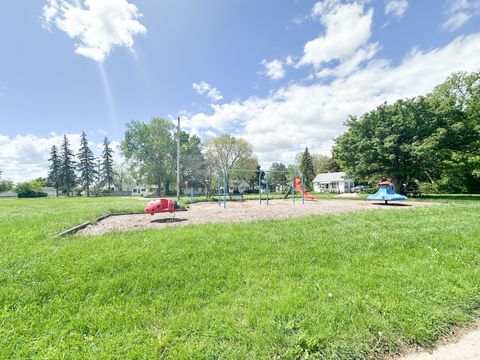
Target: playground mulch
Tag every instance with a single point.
(239, 211)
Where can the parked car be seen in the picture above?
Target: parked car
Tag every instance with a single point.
(360, 188)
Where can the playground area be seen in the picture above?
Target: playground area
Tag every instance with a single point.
(237, 211)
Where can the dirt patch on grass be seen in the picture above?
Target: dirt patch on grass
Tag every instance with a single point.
(210, 212)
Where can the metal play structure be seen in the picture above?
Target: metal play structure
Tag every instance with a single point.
(386, 193)
(297, 183)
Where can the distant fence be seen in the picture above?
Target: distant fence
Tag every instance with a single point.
(115, 193)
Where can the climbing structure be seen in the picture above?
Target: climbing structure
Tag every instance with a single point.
(386, 193)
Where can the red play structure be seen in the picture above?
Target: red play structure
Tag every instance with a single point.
(298, 186)
(160, 206)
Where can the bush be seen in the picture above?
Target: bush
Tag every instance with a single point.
(31, 189)
(371, 190)
(429, 188)
(78, 190)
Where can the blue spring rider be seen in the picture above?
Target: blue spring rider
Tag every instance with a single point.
(386, 193)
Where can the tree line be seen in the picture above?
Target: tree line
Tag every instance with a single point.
(84, 169)
(431, 141)
(150, 151)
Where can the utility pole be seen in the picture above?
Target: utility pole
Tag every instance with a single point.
(178, 158)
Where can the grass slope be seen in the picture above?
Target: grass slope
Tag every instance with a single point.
(350, 286)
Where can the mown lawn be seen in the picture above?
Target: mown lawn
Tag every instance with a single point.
(350, 286)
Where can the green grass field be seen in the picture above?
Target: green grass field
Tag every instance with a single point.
(350, 286)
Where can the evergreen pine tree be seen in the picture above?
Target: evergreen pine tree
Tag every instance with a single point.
(107, 164)
(67, 166)
(86, 164)
(55, 168)
(307, 169)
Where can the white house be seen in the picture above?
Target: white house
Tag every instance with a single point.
(49, 190)
(143, 191)
(240, 186)
(333, 182)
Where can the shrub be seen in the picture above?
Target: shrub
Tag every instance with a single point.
(429, 188)
(31, 189)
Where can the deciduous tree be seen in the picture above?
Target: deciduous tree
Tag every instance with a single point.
(150, 148)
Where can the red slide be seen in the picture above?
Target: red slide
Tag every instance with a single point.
(298, 186)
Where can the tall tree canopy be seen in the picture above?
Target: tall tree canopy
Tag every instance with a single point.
(5, 185)
(432, 138)
(54, 174)
(321, 163)
(150, 148)
(278, 174)
(228, 152)
(193, 164)
(67, 166)
(107, 174)
(85, 164)
(307, 169)
(232, 154)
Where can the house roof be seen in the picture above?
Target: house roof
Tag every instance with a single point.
(329, 177)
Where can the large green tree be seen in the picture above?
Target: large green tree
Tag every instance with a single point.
(228, 152)
(107, 173)
(54, 174)
(457, 141)
(307, 168)
(67, 166)
(86, 164)
(433, 138)
(150, 149)
(235, 155)
(5, 185)
(193, 165)
(321, 163)
(278, 174)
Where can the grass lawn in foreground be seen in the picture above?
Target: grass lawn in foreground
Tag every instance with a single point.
(348, 286)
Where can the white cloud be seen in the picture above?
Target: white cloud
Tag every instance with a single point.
(396, 8)
(299, 115)
(25, 157)
(274, 69)
(347, 28)
(459, 12)
(290, 61)
(98, 25)
(352, 64)
(203, 88)
(456, 21)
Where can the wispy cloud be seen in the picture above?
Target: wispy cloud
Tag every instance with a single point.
(203, 88)
(396, 8)
(459, 12)
(274, 69)
(97, 25)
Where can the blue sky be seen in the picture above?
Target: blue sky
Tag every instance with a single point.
(282, 74)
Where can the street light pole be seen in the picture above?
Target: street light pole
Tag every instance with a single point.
(178, 158)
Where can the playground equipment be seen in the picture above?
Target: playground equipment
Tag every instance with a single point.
(386, 193)
(158, 206)
(263, 179)
(299, 187)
